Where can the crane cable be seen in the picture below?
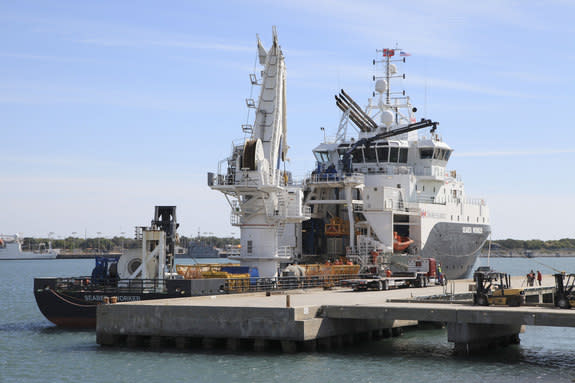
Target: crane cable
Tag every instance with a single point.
(543, 264)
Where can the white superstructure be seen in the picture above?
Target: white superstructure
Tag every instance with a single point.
(265, 205)
(381, 196)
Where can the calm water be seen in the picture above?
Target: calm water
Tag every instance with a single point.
(32, 350)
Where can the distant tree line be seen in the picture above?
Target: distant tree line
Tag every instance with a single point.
(532, 244)
(109, 244)
(210, 241)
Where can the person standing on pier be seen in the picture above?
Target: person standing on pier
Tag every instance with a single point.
(530, 278)
(539, 277)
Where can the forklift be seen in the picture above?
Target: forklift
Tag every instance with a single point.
(493, 288)
(564, 295)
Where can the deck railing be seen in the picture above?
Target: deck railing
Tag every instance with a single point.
(114, 287)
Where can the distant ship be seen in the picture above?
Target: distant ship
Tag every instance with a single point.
(198, 249)
(11, 249)
(384, 196)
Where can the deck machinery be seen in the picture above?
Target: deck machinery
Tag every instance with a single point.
(493, 288)
(564, 290)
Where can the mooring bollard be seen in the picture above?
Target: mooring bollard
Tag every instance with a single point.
(288, 303)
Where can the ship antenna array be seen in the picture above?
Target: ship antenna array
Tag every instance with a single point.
(389, 73)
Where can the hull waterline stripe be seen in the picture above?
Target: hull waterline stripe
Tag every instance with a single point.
(68, 301)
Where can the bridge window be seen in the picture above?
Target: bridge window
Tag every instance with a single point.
(403, 155)
(383, 154)
(370, 155)
(342, 149)
(442, 154)
(393, 154)
(357, 155)
(322, 157)
(426, 153)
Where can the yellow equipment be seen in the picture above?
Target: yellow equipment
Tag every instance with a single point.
(494, 288)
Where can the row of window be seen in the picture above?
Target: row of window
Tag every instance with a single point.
(378, 154)
(434, 153)
(384, 154)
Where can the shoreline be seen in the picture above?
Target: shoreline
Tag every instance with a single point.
(528, 254)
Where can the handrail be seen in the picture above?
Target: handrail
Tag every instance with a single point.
(320, 278)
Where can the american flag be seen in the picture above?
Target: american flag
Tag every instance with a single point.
(404, 54)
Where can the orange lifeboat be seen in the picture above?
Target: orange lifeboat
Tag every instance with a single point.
(1, 242)
(400, 243)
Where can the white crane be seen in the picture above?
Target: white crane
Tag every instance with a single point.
(264, 204)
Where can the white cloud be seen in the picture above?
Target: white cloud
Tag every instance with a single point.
(532, 152)
(188, 43)
(542, 77)
(27, 56)
(355, 73)
(466, 87)
(49, 93)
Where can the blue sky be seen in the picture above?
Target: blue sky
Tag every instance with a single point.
(108, 108)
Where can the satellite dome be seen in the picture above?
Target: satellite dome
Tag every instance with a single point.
(387, 117)
(380, 86)
(392, 69)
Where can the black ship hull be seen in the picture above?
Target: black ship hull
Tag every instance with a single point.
(73, 302)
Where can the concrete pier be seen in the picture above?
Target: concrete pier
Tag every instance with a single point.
(316, 319)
